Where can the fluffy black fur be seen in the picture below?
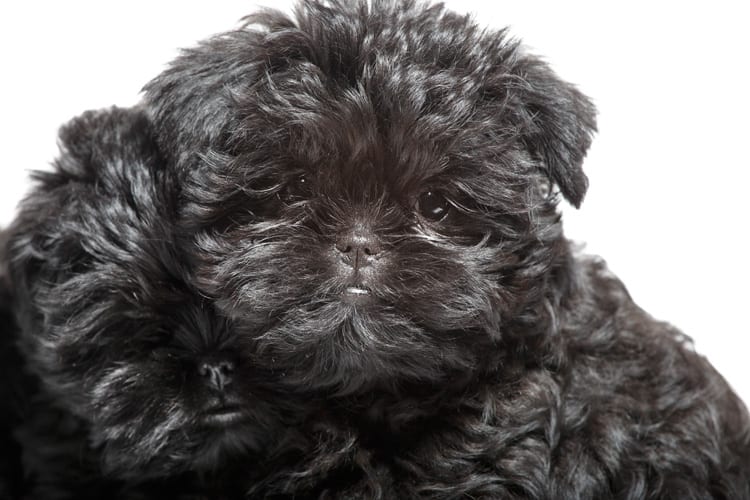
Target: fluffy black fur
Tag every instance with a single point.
(323, 259)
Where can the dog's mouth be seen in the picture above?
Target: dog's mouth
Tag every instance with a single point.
(356, 294)
(222, 414)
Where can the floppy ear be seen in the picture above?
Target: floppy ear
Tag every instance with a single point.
(558, 124)
(191, 104)
(102, 188)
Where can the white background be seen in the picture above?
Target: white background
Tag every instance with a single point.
(667, 205)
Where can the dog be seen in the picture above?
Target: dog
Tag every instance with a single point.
(322, 259)
(133, 374)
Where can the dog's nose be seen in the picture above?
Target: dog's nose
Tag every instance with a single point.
(358, 247)
(217, 373)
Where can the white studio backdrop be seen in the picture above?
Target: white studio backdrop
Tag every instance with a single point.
(669, 170)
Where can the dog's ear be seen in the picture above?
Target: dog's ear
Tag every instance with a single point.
(101, 183)
(557, 125)
(88, 228)
(192, 103)
(105, 148)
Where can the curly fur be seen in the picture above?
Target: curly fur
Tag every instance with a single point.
(203, 228)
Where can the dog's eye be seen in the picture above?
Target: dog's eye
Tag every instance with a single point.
(433, 206)
(299, 189)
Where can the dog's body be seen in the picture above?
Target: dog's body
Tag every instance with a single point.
(323, 259)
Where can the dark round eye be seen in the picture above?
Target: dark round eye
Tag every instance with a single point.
(433, 206)
(297, 190)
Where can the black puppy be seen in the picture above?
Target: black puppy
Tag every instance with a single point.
(134, 376)
(323, 259)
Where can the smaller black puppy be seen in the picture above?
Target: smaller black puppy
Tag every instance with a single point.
(133, 379)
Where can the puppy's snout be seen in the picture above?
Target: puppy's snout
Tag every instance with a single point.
(358, 247)
(218, 374)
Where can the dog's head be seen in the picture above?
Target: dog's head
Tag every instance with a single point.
(109, 320)
(371, 189)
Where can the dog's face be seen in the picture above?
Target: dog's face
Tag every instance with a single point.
(111, 324)
(368, 188)
(171, 390)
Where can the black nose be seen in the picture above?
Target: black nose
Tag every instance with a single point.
(358, 247)
(218, 374)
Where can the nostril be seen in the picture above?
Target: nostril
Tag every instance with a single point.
(206, 369)
(218, 374)
(358, 243)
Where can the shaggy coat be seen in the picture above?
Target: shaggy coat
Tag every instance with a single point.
(323, 259)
